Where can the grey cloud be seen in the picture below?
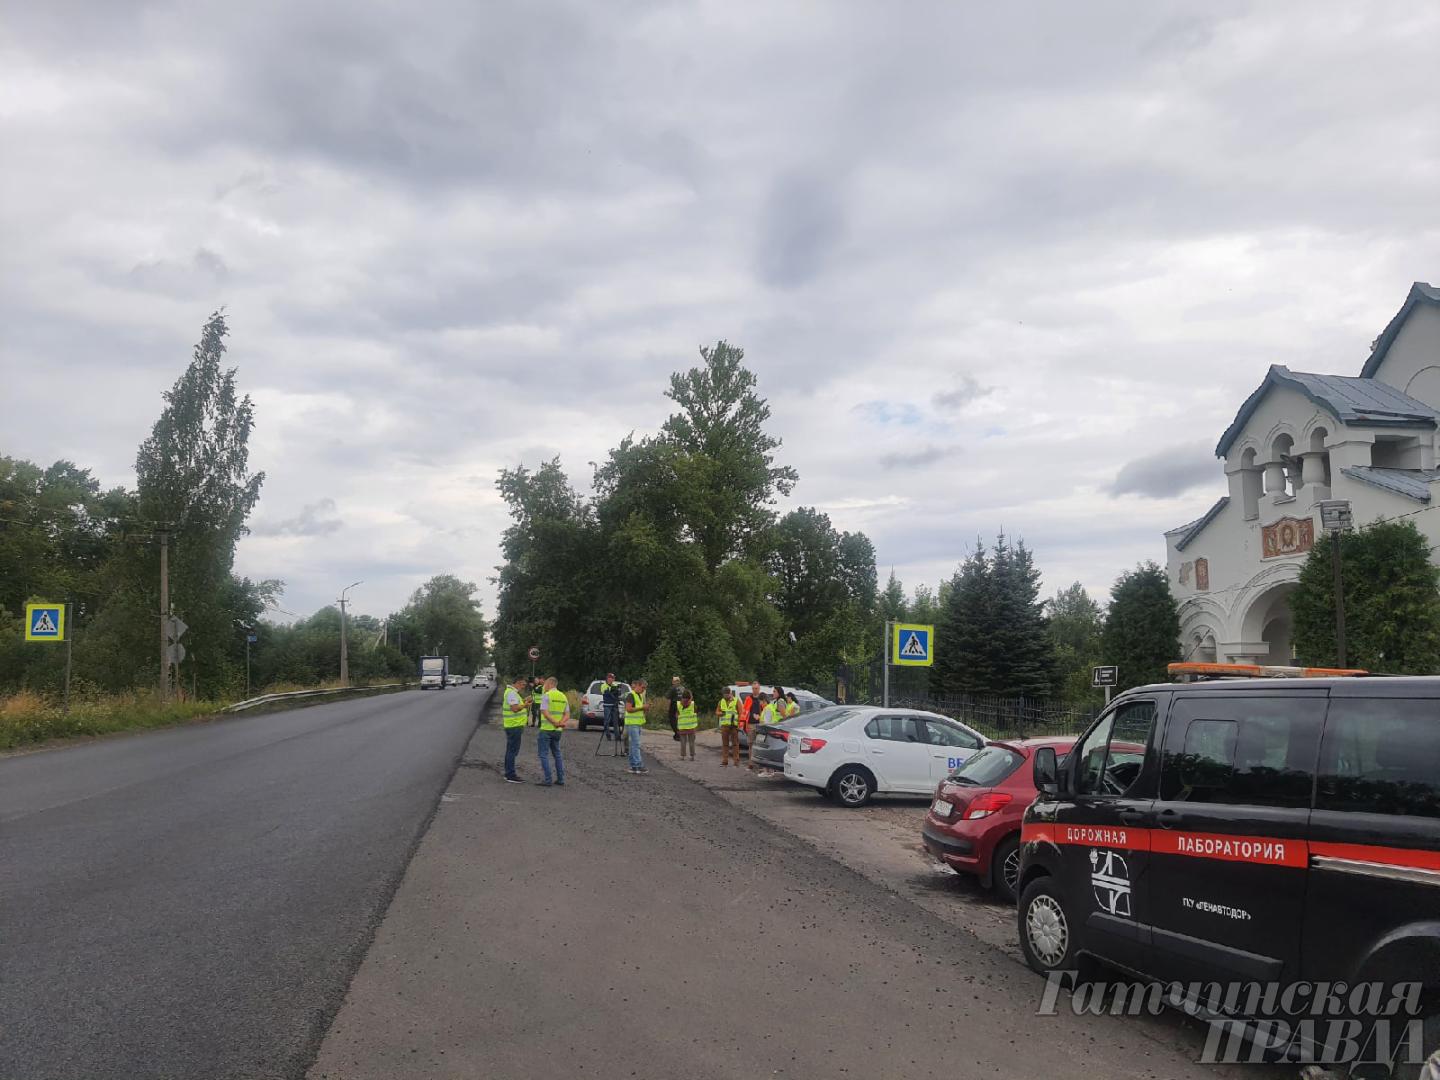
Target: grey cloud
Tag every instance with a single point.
(798, 230)
(314, 519)
(1168, 473)
(964, 393)
(928, 454)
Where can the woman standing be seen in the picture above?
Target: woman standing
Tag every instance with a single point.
(686, 724)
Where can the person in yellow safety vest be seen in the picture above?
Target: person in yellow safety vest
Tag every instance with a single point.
(792, 707)
(727, 712)
(686, 724)
(513, 710)
(759, 709)
(773, 713)
(554, 715)
(634, 716)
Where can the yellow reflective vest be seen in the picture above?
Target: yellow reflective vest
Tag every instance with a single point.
(635, 714)
(729, 712)
(557, 703)
(514, 710)
(685, 718)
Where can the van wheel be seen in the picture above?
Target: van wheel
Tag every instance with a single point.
(1005, 869)
(1047, 935)
(853, 786)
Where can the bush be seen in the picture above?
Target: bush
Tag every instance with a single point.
(27, 718)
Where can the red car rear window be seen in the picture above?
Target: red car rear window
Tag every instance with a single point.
(988, 767)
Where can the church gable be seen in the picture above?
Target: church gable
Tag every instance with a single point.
(1407, 352)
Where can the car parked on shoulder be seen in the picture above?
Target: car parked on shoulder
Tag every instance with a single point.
(771, 740)
(870, 750)
(592, 707)
(1254, 831)
(808, 701)
(973, 824)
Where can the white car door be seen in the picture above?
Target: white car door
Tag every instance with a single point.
(948, 746)
(898, 757)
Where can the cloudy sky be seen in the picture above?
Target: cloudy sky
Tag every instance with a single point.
(998, 266)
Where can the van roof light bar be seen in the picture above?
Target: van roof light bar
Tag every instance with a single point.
(1189, 672)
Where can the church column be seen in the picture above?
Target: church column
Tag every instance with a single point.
(1274, 478)
(1312, 469)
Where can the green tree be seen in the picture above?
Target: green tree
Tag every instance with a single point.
(1142, 627)
(1075, 625)
(727, 459)
(446, 619)
(1392, 601)
(1022, 656)
(962, 647)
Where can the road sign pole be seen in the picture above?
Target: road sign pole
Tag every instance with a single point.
(1107, 697)
(1339, 597)
(164, 616)
(69, 655)
(247, 667)
(885, 701)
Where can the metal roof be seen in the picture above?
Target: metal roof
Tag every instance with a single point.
(1193, 529)
(1412, 483)
(1364, 402)
(1420, 293)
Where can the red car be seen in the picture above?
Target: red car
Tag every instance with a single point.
(973, 826)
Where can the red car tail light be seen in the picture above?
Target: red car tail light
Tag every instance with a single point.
(809, 746)
(987, 804)
(779, 733)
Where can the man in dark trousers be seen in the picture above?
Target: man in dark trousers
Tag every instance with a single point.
(676, 690)
(610, 700)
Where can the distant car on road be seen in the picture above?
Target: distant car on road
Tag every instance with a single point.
(973, 826)
(592, 708)
(854, 755)
(772, 739)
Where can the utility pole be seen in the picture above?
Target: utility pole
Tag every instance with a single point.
(344, 654)
(69, 649)
(164, 616)
(1337, 519)
(885, 701)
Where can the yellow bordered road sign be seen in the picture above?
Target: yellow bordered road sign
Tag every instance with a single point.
(44, 622)
(912, 645)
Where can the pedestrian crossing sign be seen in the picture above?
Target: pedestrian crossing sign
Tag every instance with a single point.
(911, 645)
(44, 622)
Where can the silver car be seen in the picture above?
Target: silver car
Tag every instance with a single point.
(809, 703)
(771, 739)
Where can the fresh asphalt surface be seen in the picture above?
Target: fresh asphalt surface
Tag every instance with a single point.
(190, 904)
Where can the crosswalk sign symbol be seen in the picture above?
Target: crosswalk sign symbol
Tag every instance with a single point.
(910, 645)
(44, 622)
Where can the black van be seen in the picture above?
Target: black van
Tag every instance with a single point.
(1247, 831)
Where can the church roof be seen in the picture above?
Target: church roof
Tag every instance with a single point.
(1364, 401)
(1412, 483)
(1420, 293)
(1191, 530)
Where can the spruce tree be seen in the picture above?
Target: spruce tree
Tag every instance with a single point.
(1142, 628)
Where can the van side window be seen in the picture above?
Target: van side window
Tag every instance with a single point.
(1113, 754)
(1246, 752)
(1381, 757)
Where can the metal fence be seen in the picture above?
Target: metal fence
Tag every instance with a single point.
(1004, 717)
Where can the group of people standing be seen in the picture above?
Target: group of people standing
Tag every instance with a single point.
(548, 708)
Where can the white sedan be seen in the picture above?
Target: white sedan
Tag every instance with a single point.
(863, 752)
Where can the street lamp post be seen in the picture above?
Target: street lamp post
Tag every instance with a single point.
(344, 655)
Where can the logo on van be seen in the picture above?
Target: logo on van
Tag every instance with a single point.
(1110, 878)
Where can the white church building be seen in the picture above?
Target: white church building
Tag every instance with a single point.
(1299, 439)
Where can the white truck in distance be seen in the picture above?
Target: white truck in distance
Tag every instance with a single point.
(433, 672)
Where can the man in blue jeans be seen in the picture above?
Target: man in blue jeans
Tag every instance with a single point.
(634, 718)
(610, 697)
(554, 714)
(513, 710)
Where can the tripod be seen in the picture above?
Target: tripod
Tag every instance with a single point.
(619, 729)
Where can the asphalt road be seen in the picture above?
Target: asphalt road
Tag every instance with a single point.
(630, 927)
(192, 903)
